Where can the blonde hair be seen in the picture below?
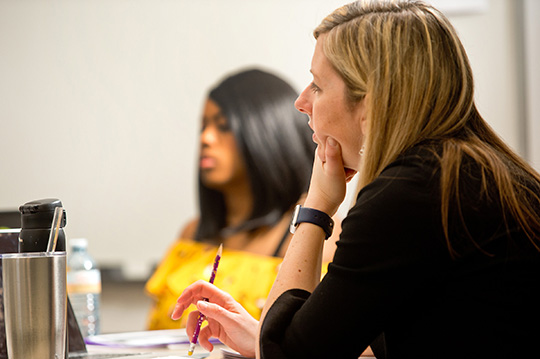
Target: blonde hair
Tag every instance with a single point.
(407, 58)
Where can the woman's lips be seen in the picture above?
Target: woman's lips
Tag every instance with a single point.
(207, 162)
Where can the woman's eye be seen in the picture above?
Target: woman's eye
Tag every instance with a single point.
(314, 88)
(223, 126)
(218, 123)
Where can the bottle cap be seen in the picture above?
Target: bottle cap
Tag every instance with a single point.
(78, 243)
(39, 214)
(36, 221)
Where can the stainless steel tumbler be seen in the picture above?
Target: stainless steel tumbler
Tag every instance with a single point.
(35, 304)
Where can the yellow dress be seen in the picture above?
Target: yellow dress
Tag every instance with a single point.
(246, 276)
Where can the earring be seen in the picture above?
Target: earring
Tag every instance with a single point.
(361, 152)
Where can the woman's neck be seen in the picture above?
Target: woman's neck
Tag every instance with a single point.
(239, 204)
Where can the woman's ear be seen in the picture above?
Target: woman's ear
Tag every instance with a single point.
(362, 114)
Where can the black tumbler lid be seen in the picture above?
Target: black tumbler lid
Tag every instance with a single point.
(39, 213)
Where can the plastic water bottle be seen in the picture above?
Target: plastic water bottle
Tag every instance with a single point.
(83, 286)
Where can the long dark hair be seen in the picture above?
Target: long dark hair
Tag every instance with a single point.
(275, 142)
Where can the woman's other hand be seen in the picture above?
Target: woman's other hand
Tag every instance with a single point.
(227, 319)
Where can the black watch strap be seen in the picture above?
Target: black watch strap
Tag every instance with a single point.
(319, 218)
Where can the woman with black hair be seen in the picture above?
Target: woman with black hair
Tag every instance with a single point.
(256, 156)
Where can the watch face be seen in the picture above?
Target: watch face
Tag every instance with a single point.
(292, 227)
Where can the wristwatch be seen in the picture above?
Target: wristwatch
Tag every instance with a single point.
(319, 218)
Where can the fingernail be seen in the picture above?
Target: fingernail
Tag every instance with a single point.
(174, 313)
(332, 142)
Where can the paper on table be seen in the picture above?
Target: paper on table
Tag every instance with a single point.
(145, 339)
(163, 356)
(230, 354)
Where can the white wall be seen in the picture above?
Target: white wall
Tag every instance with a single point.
(490, 41)
(532, 81)
(100, 101)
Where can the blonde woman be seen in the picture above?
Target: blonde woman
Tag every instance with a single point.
(439, 257)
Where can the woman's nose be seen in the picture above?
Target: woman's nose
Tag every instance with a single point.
(302, 103)
(208, 135)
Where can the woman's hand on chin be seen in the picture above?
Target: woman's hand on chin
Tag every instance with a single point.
(328, 180)
(227, 319)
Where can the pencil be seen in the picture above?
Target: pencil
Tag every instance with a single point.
(201, 317)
